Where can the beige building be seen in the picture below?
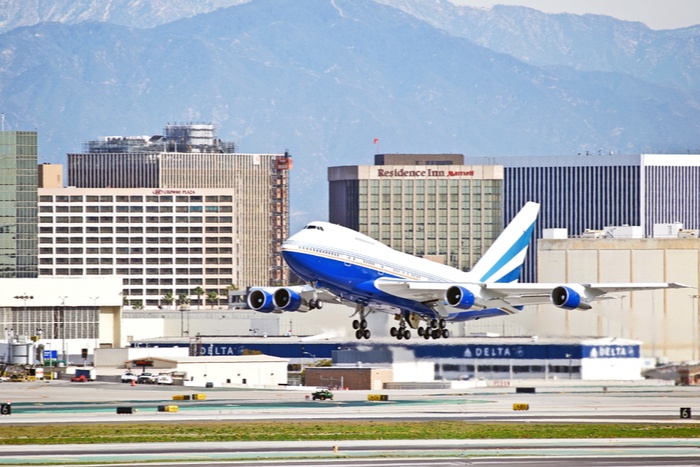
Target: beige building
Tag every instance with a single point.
(157, 241)
(666, 321)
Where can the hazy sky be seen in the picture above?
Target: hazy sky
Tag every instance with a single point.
(657, 14)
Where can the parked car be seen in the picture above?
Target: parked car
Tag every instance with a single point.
(164, 378)
(129, 377)
(146, 378)
(322, 395)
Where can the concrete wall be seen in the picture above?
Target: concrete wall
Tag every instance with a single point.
(666, 321)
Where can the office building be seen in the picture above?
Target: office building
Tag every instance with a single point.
(169, 214)
(594, 191)
(18, 204)
(439, 209)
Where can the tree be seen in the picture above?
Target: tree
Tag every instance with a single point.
(199, 291)
(213, 298)
(169, 298)
(183, 299)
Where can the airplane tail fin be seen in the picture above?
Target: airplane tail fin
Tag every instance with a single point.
(503, 261)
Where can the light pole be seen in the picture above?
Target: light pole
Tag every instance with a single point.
(39, 332)
(569, 357)
(97, 326)
(695, 325)
(63, 327)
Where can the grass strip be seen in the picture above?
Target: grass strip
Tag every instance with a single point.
(88, 433)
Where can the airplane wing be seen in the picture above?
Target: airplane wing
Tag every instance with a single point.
(496, 295)
(292, 298)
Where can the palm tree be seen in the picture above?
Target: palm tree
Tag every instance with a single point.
(213, 298)
(199, 291)
(183, 299)
(169, 298)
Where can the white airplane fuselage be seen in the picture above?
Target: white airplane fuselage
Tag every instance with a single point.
(347, 263)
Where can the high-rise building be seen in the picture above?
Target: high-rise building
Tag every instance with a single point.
(18, 204)
(170, 214)
(595, 191)
(439, 209)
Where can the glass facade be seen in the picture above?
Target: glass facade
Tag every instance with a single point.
(18, 204)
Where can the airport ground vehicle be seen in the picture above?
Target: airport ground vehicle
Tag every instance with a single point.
(128, 377)
(322, 395)
(164, 378)
(146, 378)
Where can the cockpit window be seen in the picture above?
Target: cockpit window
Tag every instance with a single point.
(318, 227)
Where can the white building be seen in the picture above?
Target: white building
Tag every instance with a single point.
(63, 315)
(241, 370)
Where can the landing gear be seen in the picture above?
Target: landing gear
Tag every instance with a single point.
(315, 303)
(360, 325)
(402, 332)
(436, 329)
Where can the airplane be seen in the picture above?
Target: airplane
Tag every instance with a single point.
(344, 266)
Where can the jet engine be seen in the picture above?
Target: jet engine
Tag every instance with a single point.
(459, 297)
(568, 299)
(261, 300)
(286, 299)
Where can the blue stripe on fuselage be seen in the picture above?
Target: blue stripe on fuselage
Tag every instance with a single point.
(348, 280)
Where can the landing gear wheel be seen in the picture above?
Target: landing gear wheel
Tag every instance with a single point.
(426, 335)
(359, 334)
(392, 331)
(433, 323)
(355, 324)
(366, 333)
(442, 323)
(435, 334)
(319, 303)
(399, 335)
(421, 331)
(445, 333)
(363, 324)
(406, 334)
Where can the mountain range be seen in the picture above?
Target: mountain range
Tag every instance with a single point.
(324, 78)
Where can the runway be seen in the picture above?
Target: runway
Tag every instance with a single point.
(64, 402)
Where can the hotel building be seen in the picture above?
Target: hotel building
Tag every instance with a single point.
(428, 205)
(169, 214)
